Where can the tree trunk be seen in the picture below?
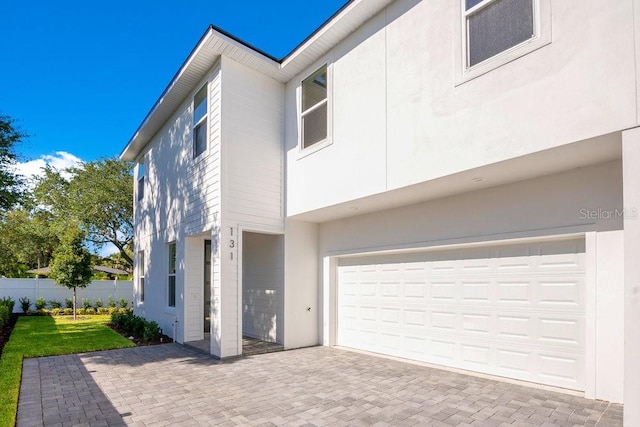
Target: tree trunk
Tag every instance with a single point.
(74, 303)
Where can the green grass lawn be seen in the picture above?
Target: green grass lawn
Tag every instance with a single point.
(47, 336)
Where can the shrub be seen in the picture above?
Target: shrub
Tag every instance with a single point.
(25, 304)
(136, 326)
(4, 315)
(7, 302)
(103, 310)
(86, 303)
(81, 311)
(56, 311)
(41, 303)
(112, 310)
(123, 302)
(68, 303)
(68, 311)
(90, 310)
(98, 303)
(55, 304)
(151, 331)
(111, 302)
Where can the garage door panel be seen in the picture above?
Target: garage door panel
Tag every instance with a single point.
(519, 314)
(558, 291)
(514, 360)
(515, 327)
(565, 332)
(514, 292)
(475, 292)
(443, 291)
(476, 354)
(415, 291)
(476, 323)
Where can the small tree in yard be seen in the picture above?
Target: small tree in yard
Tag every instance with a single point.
(71, 265)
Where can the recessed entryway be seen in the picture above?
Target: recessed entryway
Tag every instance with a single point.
(263, 287)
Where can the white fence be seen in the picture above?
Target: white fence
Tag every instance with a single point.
(46, 288)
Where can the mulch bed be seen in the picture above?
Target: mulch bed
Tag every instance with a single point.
(163, 339)
(5, 331)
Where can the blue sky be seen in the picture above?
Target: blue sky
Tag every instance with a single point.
(79, 76)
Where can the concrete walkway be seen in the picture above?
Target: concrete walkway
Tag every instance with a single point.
(174, 385)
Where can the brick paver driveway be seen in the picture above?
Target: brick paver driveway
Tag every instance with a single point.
(174, 385)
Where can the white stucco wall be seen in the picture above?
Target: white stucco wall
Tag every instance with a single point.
(302, 307)
(631, 173)
(398, 118)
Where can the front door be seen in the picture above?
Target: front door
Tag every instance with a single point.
(207, 286)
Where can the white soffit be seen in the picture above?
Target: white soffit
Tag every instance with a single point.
(579, 154)
(215, 43)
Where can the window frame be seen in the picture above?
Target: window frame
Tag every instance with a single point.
(141, 274)
(171, 274)
(201, 121)
(140, 180)
(542, 37)
(302, 150)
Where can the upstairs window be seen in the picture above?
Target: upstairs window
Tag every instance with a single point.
(495, 26)
(141, 173)
(200, 122)
(171, 288)
(314, 108)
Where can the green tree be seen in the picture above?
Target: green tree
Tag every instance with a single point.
(28, 239)
(71, 265)
(99, 196)
(11, 184)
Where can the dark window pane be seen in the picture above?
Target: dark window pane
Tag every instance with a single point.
(142, 289)
(314, 126)
(314, 88)
(200, 104)
(498, 27)
(172, 291)
(200, 139)
(471, 3)
(141, 188)
(172, 258)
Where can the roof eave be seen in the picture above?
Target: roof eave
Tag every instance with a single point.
(216, 42)
(213, 43)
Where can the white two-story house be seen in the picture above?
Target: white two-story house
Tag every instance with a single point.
(448, 181)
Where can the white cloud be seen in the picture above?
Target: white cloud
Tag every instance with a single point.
(59, 160)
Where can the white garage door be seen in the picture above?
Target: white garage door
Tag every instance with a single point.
(511, 310)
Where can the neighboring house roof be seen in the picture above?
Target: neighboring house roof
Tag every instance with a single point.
(216, 42)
